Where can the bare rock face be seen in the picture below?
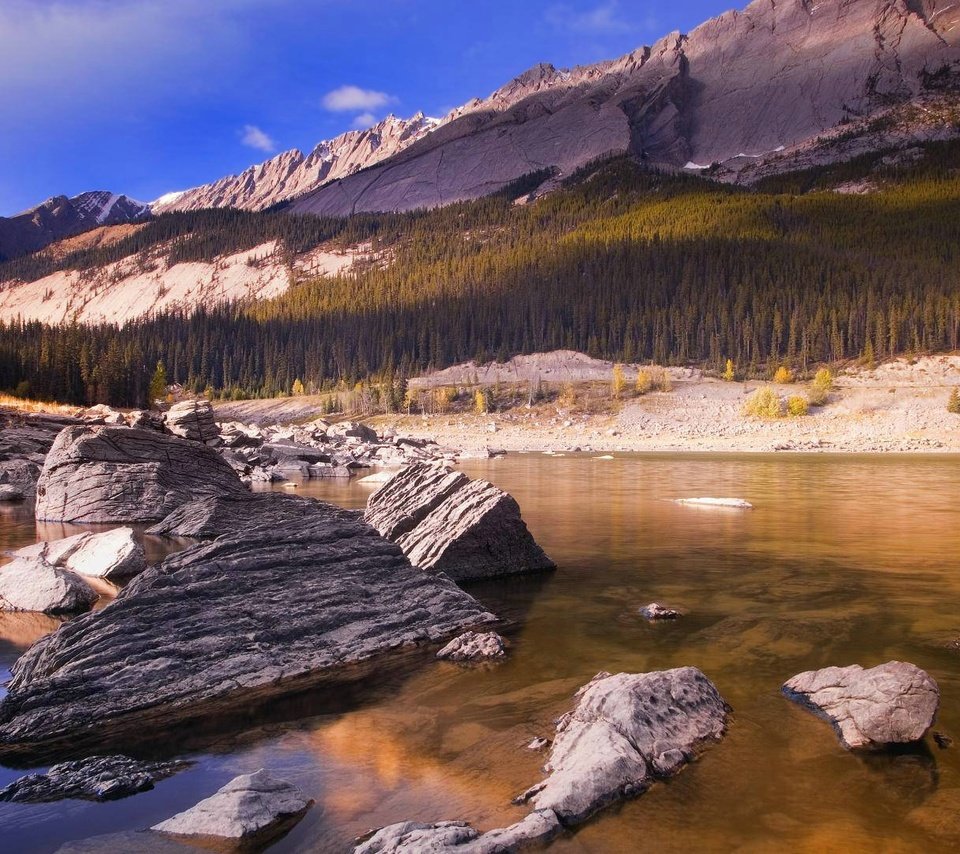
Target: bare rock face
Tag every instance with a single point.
(99, 778)
(273, 608)
(248, 805)
(627, 731)
(893, 703)
(114, 554)
(31, 585)
(473, 646)
(410, 837)
(445, 522)
(122, 474)
(192, 419)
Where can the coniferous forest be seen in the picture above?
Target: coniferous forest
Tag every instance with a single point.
(620, 262)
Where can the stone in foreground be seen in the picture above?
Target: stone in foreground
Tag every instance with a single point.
(113, 554)
(473, 646)
(122, 474)
(31, 585)
(410, 837)
(444, 522)
(627, 731)
(655, 611)
(274, 608)
(893, 703)
(99, 778)
(247, 805)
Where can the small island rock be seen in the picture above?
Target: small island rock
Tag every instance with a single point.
(473, 646)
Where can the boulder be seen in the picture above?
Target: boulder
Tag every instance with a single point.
(473, 646)
(352, 430)
(893, 703)
(249, 804)
(121, 474)
(655, 611)
(292, 597)
(410, 837)
(99, 778)
(31, 585)
(145, 420)
(21, 475)
(627, 731)
(192, 419)
(444, 522)
(10, 493)
(114, 554)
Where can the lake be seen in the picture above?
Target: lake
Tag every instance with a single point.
(845, 559)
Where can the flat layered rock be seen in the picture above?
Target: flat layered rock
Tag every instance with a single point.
(122, 474)
(99, 778)
(274, 608)
(893, 703)
(31, 585)
(113, 554)
(445, 522)
(626, 732)
(192, 419)
(248, 805)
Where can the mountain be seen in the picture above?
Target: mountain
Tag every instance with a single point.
(292, 174)
(783, 80)
(61, 217)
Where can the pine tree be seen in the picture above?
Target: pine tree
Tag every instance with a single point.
(158, 385)
(730, 373)
(953, 404)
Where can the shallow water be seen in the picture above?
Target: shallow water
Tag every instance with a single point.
(843, 560)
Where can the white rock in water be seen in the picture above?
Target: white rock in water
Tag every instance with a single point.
(31, 585)
(656, 611)
(246, 805)
(893, 703)
(112, 554)
(737, 503)
(378, 477)
(473, 646)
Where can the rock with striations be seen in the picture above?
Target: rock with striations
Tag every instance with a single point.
(248, 805)
(272, 608)
(98, 778)
(192, 419)
(444, 522)
(893, 703)
(626, 732)
(473, 646)
(113, 554)
(121, 474)
(27, 584)
(458, 837)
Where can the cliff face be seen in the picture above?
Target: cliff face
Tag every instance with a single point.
(292, 173)
(743, 86)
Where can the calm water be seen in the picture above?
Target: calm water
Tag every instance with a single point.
(844, 560)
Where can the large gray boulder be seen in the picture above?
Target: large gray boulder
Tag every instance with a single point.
(115, 554)
(248, 805)
(122, 474)
(98, 778)
(192, 419)
(445, 522)
(31, 585)
(273, 608)
(626, 732)
(893, 703)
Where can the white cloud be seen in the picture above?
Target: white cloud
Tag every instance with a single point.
(364, 120)
(604, 19)
(349, 99)
(256, 138)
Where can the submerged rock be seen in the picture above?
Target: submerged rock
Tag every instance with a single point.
(99, 778)
(10, 493)
(732, 503)
(625, 732)
(893, 703)
(249, 804)
(410, 837)
(31, 585)
(114, 554)
(445, 522)
(473, 646)
(655, 611)
(281, 604)
(193, 420)
(121, 474)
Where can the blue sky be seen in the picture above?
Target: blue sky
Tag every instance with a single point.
(147, 96)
